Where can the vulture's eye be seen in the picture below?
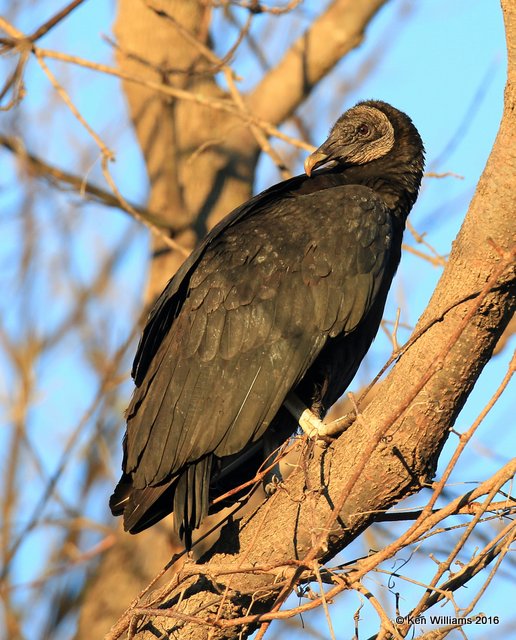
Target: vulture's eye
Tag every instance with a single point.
(362, 130)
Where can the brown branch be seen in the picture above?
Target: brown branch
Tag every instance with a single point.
(62, 179)
(254, 6)
(507, 507)
(107, 382)
(229, 74)
(495, 550)
(181, 94)
(343, 582)
(56, 19)
(311, 57)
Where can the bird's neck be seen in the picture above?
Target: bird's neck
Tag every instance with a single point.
(398, 189)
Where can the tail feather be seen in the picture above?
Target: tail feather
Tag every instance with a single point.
(147, 506)
(187, 495)
(191, 499)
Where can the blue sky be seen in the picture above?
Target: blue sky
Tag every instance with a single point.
(442, 62)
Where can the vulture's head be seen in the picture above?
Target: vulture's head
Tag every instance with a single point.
(368, 132)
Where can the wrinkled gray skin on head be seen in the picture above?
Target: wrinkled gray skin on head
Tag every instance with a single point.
(360, 135)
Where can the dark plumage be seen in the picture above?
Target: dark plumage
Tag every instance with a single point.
(285, 294)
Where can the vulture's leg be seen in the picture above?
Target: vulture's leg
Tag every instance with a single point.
(311, 424)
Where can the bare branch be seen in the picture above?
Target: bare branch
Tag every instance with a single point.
(311, 57)
(62, 179)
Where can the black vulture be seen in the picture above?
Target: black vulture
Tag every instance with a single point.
(284, 295)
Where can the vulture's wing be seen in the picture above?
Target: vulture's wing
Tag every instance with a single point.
(239, 326)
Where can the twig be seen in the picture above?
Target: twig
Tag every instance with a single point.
(445, 174)
(59, 178)
(229, 75)
(106, 156)
(106, 152)
(386, 622)
(50, 24)
(181, 94)
(324, 602)
(254, 6)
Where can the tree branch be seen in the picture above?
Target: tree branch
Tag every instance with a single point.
(311, 57)
(64, 179)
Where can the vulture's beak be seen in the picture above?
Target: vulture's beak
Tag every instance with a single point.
(316, 159)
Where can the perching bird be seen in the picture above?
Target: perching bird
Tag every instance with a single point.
(285, 294)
